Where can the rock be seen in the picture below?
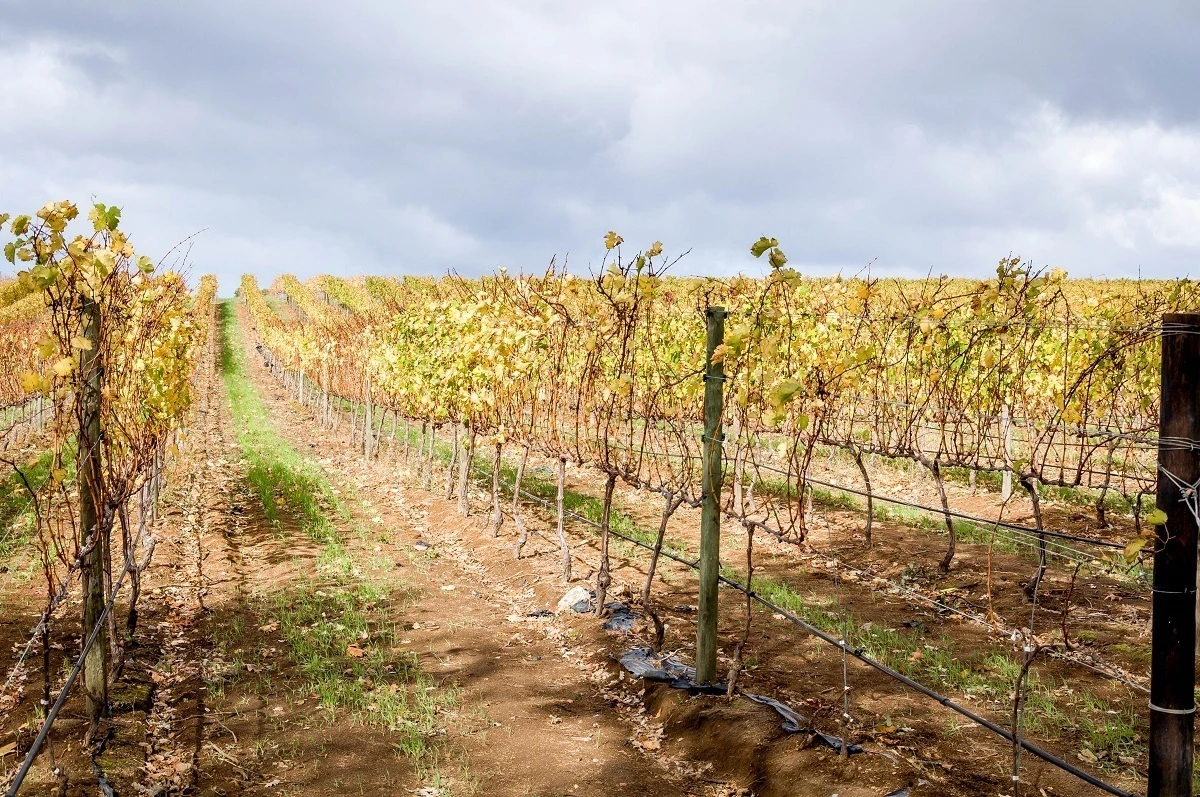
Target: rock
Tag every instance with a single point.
(575, 596)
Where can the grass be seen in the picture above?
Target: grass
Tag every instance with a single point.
(278, 475)
(335, 628)
(16, 519)
(348, 654)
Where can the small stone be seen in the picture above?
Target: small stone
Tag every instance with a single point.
(575, 595)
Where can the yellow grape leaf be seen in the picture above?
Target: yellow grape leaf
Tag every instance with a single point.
(759, 247)
(59, 475)
(1134, 547)
(1156, 518)
(655, 249)
(31, 381)
(65, 366)
(81, 343)
(612, 240)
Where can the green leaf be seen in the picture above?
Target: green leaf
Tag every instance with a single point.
(10, 252)
(113, 217)
(1157, 518)
(777, 258)
(1134, 548)
(762, 245)
(19, 225)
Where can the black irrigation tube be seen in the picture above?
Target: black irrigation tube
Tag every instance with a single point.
(857, 653)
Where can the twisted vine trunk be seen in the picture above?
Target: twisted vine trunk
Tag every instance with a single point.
(671, 504)
(862, 468)
(735, 668)
(426, 453)
(603, 579)
(936, 470)
(407, 435)
(454, 446)
(562, 531)
(1031, 587)
(466, 456)
(497, 515)
(522, 531)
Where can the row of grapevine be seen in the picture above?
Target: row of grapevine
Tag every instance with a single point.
(109, 342)
(1029, 373)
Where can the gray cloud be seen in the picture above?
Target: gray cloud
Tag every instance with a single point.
(416, 137)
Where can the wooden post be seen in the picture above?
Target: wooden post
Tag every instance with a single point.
(1173, 625)
(710, 511)
(91, 492)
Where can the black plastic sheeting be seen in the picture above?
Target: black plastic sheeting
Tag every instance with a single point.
(642, 663)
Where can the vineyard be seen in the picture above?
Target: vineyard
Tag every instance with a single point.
(626, 518)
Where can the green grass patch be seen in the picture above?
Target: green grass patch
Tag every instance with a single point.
(277, 474)
(335, 629)
(16, 511)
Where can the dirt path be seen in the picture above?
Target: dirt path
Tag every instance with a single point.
(533, 718)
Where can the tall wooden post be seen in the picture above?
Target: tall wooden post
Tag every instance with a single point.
(1173, 640)
(710, 512)
(95, 665)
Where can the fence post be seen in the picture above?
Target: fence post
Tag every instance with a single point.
(91, 490)
(710, 512)
(1173, 628)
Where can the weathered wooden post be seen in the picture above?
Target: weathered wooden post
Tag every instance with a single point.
(1173, 628)
(91, 497)
(710, 511)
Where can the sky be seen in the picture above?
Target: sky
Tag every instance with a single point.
(421, 137)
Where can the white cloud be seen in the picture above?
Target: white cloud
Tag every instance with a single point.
(425, 136)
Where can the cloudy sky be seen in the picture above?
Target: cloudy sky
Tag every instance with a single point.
(416, 137)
